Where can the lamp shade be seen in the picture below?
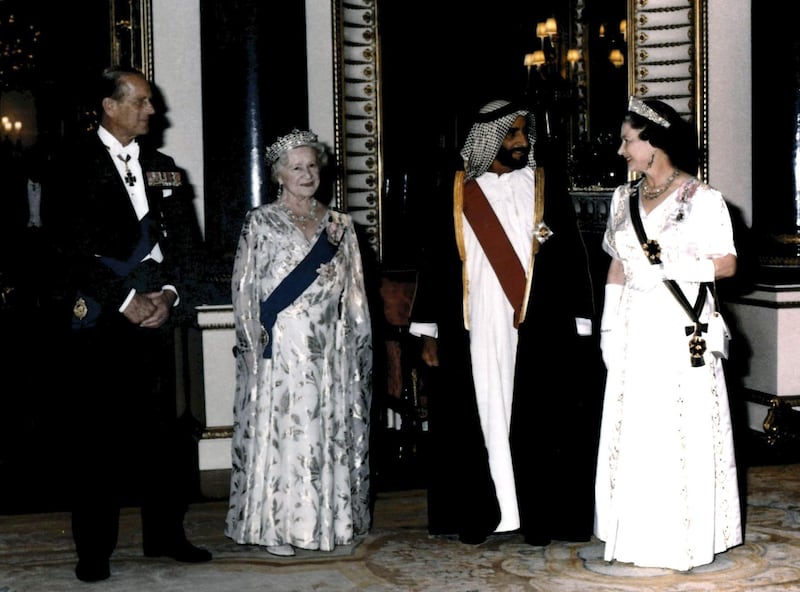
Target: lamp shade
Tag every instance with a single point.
(616, 58)
(541, 30)
(534, 59)
(573, 55)
(551, 26)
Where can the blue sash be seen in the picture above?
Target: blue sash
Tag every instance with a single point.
(143, 247)
(87, 309)
(293, 285)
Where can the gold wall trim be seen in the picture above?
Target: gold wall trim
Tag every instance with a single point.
(217, 433)
(214, 326)
(357, 115)
(131, 23)
(668, 59)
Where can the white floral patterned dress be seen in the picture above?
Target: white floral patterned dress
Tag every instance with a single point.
(666, 487)
(300, 465)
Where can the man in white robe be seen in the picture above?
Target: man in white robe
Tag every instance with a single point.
(507, 263)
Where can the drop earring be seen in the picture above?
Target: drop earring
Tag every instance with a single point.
(652, 158)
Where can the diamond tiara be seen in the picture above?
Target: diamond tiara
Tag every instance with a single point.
(640, 108)
(291, 140)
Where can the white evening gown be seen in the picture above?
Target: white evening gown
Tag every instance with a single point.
(666, 486)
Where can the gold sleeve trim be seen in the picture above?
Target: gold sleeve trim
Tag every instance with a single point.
(538, 213)
(458, 220)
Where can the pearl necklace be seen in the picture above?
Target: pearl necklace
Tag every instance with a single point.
(302, 219)
(651, 194)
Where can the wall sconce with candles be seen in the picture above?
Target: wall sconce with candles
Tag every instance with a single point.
(550, 52)
(557, 92)
(594, 160)
(535, 59)
(616, 56)
(573, 56)
(9, 126)
(582, 45)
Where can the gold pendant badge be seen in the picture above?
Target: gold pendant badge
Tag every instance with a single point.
(80, 310)
(697, 347)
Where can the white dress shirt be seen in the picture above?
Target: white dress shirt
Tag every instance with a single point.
(126, 161)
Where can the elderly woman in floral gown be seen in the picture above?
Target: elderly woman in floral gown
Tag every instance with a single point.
(300, 470)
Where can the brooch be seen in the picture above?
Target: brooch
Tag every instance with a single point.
(697, 347)
(542, 232)
(653, 251)
(335, 231)
(80, 310)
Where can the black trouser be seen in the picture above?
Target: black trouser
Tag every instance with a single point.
(124, 444)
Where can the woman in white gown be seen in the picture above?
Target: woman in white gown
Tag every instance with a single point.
(300, 470)
(666, 486)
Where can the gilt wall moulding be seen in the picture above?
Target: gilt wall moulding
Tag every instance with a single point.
(669, 59)
(357, 113)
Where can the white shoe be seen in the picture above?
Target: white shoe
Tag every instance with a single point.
(281, 550)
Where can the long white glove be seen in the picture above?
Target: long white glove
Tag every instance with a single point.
(610, 334)
(698, 270)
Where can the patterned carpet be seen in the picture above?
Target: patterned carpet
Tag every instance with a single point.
(36, 555)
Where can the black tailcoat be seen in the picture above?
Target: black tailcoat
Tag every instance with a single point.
(122, 441)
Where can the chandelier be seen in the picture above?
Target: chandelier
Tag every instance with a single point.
(551, 54)
(18, 45)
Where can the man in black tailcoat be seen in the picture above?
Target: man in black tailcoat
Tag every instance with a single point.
(504, 305)
(112, 218)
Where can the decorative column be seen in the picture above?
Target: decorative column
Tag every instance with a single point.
(779, 256)
(254, 88)
(765, 313)
(776, 140)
